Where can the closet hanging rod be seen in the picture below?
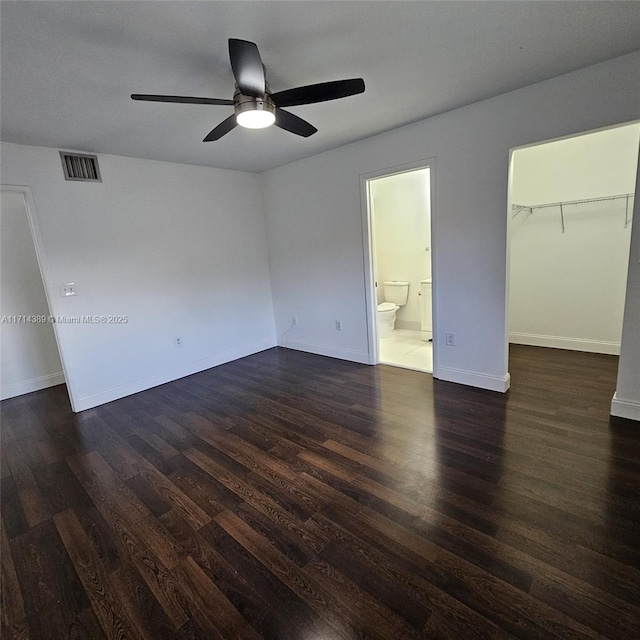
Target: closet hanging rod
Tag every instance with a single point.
(622, 196)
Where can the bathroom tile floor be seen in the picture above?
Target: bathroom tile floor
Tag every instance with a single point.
(406, 349)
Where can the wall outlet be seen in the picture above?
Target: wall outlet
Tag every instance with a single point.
(338, 325)
(177, 341)
(450, 339)
(68, 289)
(294, 321)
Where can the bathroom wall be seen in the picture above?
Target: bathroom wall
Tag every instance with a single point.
(567, 290)
(401, 211)
(29, 358)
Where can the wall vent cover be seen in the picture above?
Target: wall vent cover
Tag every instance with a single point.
(80, 167)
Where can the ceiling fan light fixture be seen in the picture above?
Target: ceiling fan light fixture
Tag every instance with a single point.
(255, 119)
(255, 107)
(254, 113)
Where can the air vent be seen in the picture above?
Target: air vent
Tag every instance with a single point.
(80, 167)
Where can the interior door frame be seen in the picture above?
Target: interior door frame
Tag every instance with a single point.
(45, 274)
(368, 237)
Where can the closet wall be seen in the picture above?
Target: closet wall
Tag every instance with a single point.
(567, 287)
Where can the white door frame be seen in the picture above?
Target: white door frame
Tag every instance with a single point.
(45, 274)
(369, 251)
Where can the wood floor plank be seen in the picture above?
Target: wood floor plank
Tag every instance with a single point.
(137, 534)
(97, 583)
(311, 585)
(512, 609)
(139, 604)
(101, 537)
(34, 506)
(613, 577)
(380, 554)
(287, 496)
(53, 594)
(403, 536)
(286, 615)
(255, 499)
(207, 602)
(160, 445)
(211, 496)
(60, 488)
(13, 619)
(170, 493)
(112, 496)
(231, 583)
(13, 515)
(86, 626)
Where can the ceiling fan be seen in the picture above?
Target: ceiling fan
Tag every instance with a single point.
(255, 107)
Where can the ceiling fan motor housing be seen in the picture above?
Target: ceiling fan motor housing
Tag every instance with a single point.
(242, 103)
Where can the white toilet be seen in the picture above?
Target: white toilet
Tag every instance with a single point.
(395, 295)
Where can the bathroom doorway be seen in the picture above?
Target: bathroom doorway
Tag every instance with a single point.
(400, 283)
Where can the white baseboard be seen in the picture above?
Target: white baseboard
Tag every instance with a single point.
(27, 386)
(93, 400)
(474, 379)
(557, 342)
(625, 408)
(324, 350)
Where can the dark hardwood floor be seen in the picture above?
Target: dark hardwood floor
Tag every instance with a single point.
(294, 496)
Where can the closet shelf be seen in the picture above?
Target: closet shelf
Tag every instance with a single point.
(517, 208)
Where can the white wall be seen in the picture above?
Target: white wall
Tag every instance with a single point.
(180, 250)
(588, 166)
(626, 401)
(315, 233)
(567, 290)
(29, 357)
(401, 208)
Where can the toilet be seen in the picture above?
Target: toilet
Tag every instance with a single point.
(396, 293)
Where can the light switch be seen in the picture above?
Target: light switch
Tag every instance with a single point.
(68, 289)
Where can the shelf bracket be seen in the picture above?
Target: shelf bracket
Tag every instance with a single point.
(626, 214)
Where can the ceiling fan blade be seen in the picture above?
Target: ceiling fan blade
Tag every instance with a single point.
(222, 129)
(318, 92)
(246, 64)
(181, 99)
(289, 122)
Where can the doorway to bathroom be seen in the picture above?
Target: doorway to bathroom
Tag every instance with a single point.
(570, 218)
(398, 224)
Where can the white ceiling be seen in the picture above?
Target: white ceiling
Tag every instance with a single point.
(68, 68)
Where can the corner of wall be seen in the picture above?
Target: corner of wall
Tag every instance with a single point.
(625, 408)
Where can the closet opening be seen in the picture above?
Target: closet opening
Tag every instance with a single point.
(569, 231)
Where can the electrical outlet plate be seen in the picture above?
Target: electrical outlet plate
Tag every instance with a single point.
(68, 289)
(450, 339)
(338, 325)
(177, 341)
